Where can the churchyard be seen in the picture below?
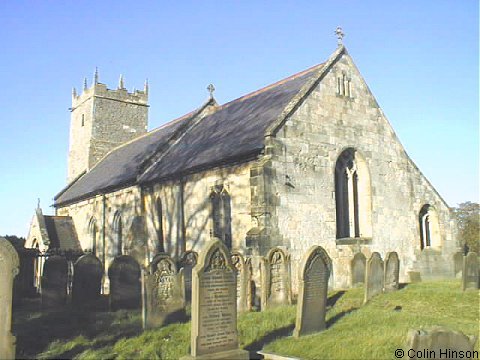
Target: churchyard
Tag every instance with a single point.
(207, 308)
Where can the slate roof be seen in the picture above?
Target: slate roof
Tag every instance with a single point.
(61, 232)
(234, 131)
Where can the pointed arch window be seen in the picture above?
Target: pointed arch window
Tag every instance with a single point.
(352, 196)
(93, 235)
(221, 215)
(117, 246)
(159, 225)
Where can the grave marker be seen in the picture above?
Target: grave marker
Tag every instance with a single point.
(241, 270)
(392, 271)
(54, 282)
(125, 286)
(87, 280)
(470, 274)
(374, 276)
(187, 262)
(313, 287)
(276, 279)
(358, 265)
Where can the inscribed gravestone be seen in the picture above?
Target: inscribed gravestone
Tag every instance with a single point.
(276, 279)
(87, 280)
(164, 292)
(358, 268)
(54, 282)
(470, 277)
(125, 286)
(392, 271)
(313, 287)
(440, 343)
(187, 262)
(214, 307)
(9, 264)
(241, 272)
(374, 276)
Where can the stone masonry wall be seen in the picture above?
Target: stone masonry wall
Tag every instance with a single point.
(305, 151)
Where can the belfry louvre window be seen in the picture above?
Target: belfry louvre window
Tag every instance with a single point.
(352, 196)
(221, 215)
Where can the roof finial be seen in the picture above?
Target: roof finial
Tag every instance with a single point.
(95, 76)
(211, 89)
(85, 83)
(340, 34)
(74, 92)
(145, 86)
(38, 203)
(121, 84)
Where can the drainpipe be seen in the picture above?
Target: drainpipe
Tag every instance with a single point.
(103, 241)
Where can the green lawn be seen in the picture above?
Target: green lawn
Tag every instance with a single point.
(354, 331)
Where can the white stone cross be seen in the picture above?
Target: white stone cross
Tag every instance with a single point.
(211, 89)
(340, 34)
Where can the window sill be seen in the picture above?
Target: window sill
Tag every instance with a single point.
(354, 241)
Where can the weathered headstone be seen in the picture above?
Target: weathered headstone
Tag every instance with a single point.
(392, 271)
(458, 264)
(9, 264)
(440, 343)
(276, 279)
(214, 306)
(164, 292)
(251, 288)
(358, 268)
(374, 276)
(312, 294)
(187, 262)
(87, 280)
(54, 282)
(241, 270)
(470, 277)
(125, 286)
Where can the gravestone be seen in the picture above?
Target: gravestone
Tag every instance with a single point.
(241, 270)
(374, 276)
(164, 292)
(87, 280)
(440, 343)
(214, 307)
(9, 265)
(312, 295)
(470, 277)
(125, 286)
(276, 279)
(392, 272)
(251, 287)
(187, 262)
(54, 282)
(358, 269)
(458, 264)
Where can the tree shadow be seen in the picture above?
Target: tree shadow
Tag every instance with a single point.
(260, 343)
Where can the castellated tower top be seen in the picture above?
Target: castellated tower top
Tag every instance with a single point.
(103, 119)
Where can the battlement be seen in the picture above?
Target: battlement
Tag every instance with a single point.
(97, 89)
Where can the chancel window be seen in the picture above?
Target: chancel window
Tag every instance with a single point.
(93, 234)
(344, 87)
(352, 196)
(221, 215)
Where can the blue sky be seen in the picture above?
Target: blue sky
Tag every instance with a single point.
(419, 58)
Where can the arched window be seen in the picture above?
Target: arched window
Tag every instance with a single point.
(221, 215)
(429, 230)
(93, 235)
(159, 225)
(352, 196)
(117, 247)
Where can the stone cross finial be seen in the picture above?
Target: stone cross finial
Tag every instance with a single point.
(145, 86)
(85, 84)
(340, 34)
(121, 83)
(211, 89)
(38, 203)
(95, 76)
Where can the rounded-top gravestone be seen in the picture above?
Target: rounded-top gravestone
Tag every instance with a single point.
(374, 277)
(358, 269)
(276, 279)
(392, 271)
(87, 280)
(187, 262)
(54, 282)
(125, 287)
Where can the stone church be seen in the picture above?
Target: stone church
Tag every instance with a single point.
(308, 160)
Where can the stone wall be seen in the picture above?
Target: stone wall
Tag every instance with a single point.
(303, 156)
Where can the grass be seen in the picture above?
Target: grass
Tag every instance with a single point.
(354, 331)
(377, 329)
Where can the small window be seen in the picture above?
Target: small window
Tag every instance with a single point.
(83, 119)
(221, 214)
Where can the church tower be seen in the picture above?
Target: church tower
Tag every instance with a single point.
(101, 120)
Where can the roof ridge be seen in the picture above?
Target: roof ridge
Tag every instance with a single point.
(277, 83)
